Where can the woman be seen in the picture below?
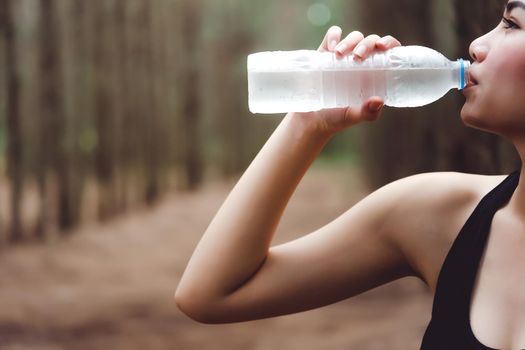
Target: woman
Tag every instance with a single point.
(462, 234)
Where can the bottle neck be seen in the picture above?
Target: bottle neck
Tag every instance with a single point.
(461, 72)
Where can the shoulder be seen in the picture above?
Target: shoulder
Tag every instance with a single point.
(425, 200)
(423, 213)
(437, 191)
(428, 196)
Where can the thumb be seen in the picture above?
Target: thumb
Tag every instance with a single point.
(372, 108)
(369, 111)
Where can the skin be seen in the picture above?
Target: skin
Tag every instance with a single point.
(398, 230)
(499, 61)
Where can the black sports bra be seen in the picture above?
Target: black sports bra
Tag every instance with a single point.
(450, 326)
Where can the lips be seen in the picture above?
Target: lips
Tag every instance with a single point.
(470, 84)
(472, 81)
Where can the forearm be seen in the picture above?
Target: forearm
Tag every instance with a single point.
(236, 242)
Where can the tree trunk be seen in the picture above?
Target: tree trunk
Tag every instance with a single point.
(104, 110)
(77, 114)
(15, 171)
(191, 105)
(121, 100)
(150, 117)
(52, 146)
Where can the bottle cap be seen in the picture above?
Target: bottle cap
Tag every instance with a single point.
(464, 76)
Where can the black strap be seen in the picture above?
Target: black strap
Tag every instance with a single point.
(450, 324)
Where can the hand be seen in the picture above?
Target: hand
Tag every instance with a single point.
(330, 121)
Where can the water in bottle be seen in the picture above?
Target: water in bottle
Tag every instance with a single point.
(307, 80)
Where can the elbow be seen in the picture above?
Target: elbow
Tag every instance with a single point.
(196, 309)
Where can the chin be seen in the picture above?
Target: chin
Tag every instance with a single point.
(477, 120)
(492, 123)
(470, 117)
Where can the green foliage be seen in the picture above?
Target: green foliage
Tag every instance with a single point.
(2, 140)
(88, 140)
(2, 149)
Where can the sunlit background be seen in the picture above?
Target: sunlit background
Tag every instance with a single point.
(124, 124)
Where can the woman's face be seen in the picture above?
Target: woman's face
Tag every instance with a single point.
(495, 101)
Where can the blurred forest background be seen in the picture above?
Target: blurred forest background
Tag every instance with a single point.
(109, 104)
(123, 125)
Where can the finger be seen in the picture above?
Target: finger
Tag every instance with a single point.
(366, 46)
(387, 42)
(331, 39)
(347, 44)
(369, 111)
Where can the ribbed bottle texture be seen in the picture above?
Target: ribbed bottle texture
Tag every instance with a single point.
(307, 80)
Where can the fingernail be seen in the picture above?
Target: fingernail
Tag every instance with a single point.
(340, 48)
(375, 106)
(360, 50)
(332, 45)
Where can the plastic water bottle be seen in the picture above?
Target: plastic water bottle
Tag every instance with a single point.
(307, 80)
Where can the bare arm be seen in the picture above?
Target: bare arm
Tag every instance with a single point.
(233, 274)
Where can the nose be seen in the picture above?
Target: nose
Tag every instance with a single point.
(478, 50)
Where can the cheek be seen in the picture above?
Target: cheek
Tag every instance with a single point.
(505, 93)
(507, 66)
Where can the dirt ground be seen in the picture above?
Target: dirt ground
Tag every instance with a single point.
(111, 286)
